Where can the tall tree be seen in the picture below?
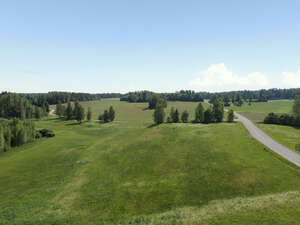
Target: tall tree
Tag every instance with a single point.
(111, 113)
(230, 116)
(2, 141)
(296, 106)
(218, 110)
(105, 116)
(89, 114)
(38, 112)
(69, 111)
(80, 115)
(59, 110)
(199, 113)
(208, 116)
(185, 116)
(159, 114)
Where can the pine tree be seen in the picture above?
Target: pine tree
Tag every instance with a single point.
(106, 116)
(38, 113)
(230, 116)
(296, 107)
(80, 115)
(208, 116)
(176, 116)
(199, 113)
(111, 113)
(185, 117)
(89, 114)
(69, 111)
(159, 114)
(218, 110)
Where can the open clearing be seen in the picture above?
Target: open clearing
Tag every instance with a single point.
(129, 172)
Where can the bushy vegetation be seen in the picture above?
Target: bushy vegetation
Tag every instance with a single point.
(144, 96)
(286, 119)
(15, 132)
(17, 106)
(54, 98)
(70, 112)
(214, 114)
(108, 115)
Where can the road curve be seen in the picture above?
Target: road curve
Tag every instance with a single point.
(263, 138)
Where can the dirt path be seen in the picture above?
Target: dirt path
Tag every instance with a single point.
(263, 138)
(52, 111)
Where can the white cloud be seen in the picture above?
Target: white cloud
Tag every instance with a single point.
(218, 78)
(291, 80)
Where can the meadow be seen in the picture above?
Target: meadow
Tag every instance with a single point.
(286, 135)
(131, 172)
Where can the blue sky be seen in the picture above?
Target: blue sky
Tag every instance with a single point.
(120, 46)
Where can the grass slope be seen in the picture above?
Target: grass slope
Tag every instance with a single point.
(128, 172)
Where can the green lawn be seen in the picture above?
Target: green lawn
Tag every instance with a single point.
(129, 172)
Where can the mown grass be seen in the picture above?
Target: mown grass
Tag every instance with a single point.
(128, 172)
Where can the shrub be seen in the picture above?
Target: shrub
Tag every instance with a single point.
(46, 133)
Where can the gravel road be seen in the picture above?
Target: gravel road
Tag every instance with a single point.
(262, 137)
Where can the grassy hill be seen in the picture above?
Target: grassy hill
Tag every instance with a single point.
(129, 172)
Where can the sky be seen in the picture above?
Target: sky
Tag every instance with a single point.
(100, 46)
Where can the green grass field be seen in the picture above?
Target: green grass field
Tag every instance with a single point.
(129, 172)
(276, 106)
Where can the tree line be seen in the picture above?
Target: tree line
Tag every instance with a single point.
(17, 106)
(213, 114)
(77, 112)
(286, 119)
(15, 132)
(145, 96)
(53, 98)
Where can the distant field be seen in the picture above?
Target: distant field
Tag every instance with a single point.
(129, 172)
(276, 106)
(286, 135)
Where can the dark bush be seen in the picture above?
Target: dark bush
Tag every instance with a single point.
(46, 133)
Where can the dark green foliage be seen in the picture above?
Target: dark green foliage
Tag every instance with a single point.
(199, 113)
(105, 116)
(174, 115)
(155, 100)
(284, 119)
(17, 106)
(108, 115)
(230, 116)
(296, 107)
(60, 109)
(53, 98)
(218, 110)
(185, 116)
(89, 114)
(45, 133)
(169, 120)
(80, 114)
(209, 116)
(37, 112)
(69, 111)
(226, 100)
(297, 147)
(111, 114)
(15, 132)
(144, 96)
(238, 101)
(159, 114)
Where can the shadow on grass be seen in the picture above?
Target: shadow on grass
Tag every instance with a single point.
(153, 125)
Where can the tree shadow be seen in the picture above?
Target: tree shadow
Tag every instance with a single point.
(153, 125)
